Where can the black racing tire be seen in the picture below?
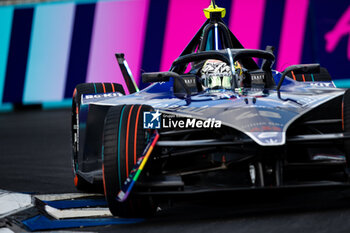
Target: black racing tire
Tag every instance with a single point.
(346, 128)
(124, 140)
(81, 89)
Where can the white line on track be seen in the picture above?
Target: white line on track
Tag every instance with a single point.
(65, 196)
(77, 212)
(11, 203)
(5, 230)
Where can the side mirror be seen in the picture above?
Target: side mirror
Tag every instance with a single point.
(158, 76)
(299, 69)
(164, 77)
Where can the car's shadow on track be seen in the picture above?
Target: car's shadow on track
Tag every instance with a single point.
(254, 204)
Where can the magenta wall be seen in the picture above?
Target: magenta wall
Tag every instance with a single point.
(116, 30)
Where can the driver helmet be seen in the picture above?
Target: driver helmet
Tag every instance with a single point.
(216, 74)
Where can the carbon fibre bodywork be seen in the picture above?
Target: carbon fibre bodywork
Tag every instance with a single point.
(239, 111)
(256, 118)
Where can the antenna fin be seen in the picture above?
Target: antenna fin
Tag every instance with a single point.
(213, 8)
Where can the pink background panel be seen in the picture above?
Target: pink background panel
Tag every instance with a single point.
(292, 36)
(184, 19)
(246, 21)
(119, 27)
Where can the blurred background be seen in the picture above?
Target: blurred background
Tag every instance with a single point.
(47, 47)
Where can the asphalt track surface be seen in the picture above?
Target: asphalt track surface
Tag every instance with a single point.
(35, 158)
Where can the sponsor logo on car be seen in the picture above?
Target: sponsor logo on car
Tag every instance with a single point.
(257, 77)
(322, 84)
(151, 120)
(190, 123)
(157, 120)
(106, 95)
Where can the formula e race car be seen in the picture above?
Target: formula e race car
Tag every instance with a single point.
(215, 122)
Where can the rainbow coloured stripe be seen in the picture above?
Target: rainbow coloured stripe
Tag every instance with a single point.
(136, 171)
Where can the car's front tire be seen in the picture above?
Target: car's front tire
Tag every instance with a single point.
(123, 142)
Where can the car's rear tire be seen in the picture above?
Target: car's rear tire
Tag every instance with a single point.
(123, 142)
(346, 128)
(82, 89)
